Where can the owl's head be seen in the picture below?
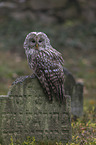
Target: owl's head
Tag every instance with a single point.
(36, 41)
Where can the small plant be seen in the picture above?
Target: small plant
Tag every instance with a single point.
(29, 141)
(11, 139)
(59, 143)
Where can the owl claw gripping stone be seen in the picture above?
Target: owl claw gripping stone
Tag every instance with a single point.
(46, 63)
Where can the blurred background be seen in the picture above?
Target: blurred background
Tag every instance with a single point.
(71, 28)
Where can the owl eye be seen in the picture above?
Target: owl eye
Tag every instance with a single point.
(33, 41)
(40, 41)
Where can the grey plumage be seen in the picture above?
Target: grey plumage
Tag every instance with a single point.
(46, 63)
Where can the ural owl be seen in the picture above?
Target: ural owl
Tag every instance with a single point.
(46, 63)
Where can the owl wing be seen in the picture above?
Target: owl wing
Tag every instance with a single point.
(58, 56)
(52, 76)
(55, 55)
(59, 74)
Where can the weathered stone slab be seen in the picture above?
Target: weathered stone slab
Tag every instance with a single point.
(77, 100)
(28, 112)
(3, 100)
(75, 90)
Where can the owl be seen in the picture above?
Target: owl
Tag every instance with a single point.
(46, 63)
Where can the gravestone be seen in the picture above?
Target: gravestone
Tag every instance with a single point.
(26, 111)
(75, 90)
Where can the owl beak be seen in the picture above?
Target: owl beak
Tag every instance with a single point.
(36, 46)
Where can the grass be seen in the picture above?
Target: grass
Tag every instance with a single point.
(84, 129)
